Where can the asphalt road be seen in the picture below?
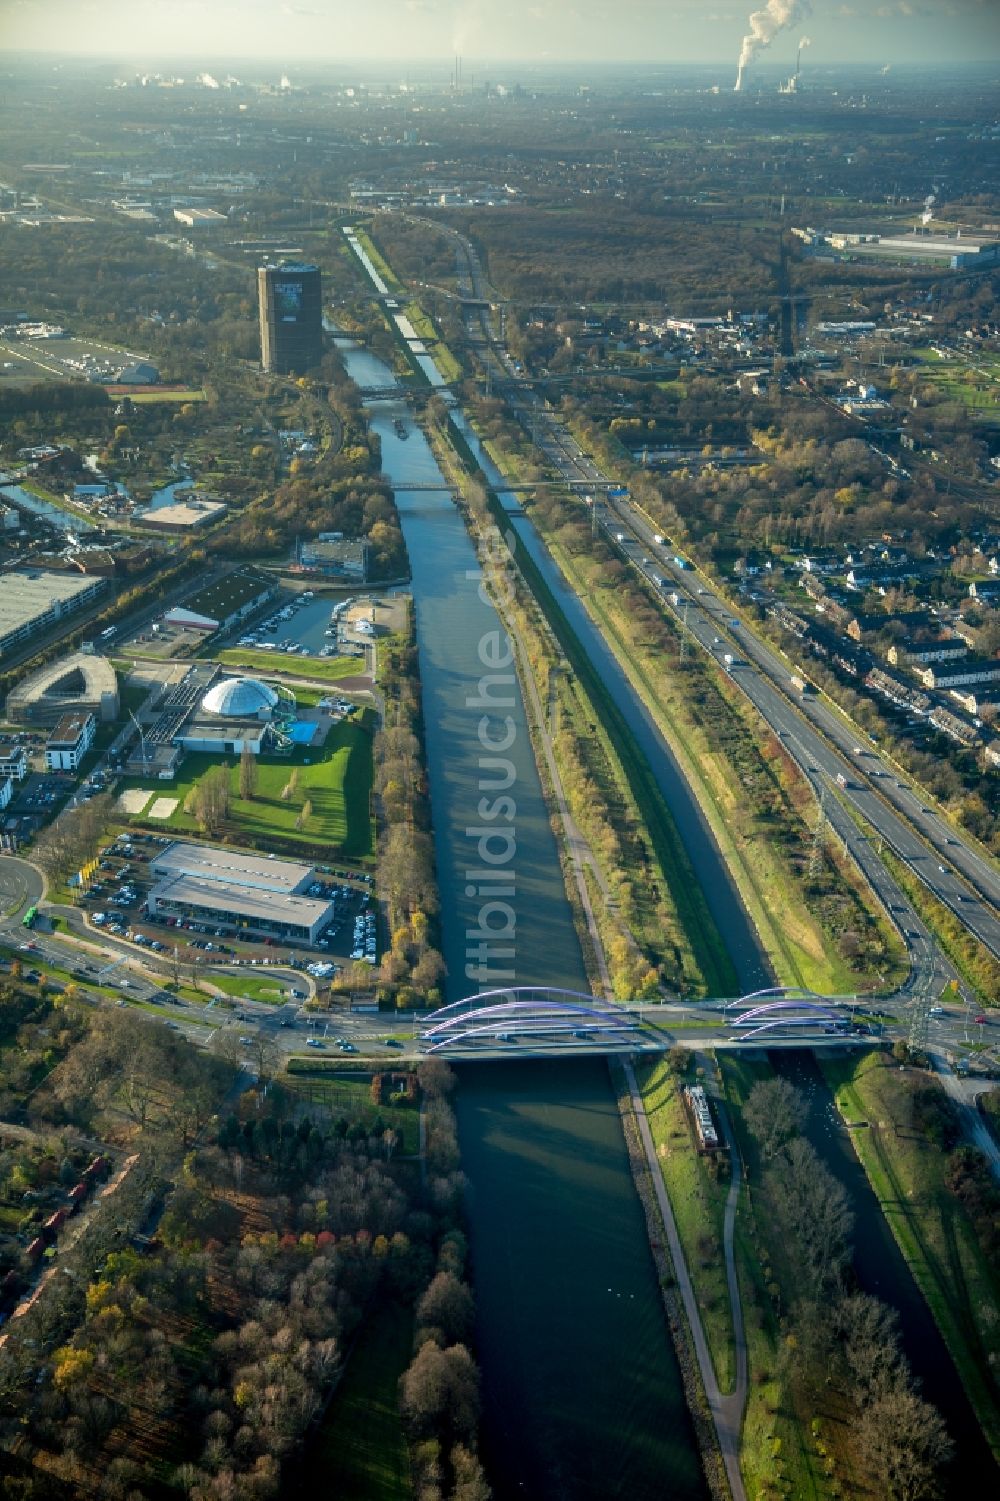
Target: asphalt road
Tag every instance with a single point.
(823, 743)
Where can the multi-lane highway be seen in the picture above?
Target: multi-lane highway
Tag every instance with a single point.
(841, 763)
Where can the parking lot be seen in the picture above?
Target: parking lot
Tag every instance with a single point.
(39, 797)
(116, 904)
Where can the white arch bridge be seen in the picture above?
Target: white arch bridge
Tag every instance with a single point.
(545, 1021)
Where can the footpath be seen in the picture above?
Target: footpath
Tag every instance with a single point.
(727, 1410)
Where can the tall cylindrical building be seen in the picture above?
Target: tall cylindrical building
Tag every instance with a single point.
(291, 317)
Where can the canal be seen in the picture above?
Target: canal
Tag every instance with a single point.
(503, 900)
(583, 1396)
(879, 1269)
(582, 1393)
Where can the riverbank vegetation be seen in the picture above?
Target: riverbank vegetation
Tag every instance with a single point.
(838, 1368)
(941, 1204)
(412, 967)
(813, 912)
(644, 941)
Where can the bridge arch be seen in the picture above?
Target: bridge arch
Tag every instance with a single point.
(533, 1012)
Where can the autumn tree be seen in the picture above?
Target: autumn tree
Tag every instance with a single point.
(211, 799)
(248, 773)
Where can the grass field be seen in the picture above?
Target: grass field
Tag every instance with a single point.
(360, 1452)
(312, 669)
(974, 383)
(248, 985)
(347, 1094)
(930, 1225)
(146, 397)
(337, 781)
(698, 1201)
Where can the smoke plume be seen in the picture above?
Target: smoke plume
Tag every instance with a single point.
(764, 27)
(929, 202)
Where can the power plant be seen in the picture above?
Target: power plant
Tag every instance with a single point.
(791, 85)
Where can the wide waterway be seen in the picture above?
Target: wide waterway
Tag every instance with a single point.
(502, 892)
(582, 1392)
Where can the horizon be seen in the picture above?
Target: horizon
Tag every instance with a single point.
(900, 33)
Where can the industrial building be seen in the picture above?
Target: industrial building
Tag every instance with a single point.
(70, 741)
(335, 557)
(235, 714)
(237, 892)
(31, 602)
(83, 682)
(290, 309)
(213, 716)
(224, 603)
(200, 218)
(183, 515)
(958, 252)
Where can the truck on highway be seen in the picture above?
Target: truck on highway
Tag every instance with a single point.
(658, 538)
(680, 562)
(802, 685)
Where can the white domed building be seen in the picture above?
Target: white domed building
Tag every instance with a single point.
(240, 698)
(233, 714)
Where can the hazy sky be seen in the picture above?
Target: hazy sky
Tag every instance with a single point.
(900, 31)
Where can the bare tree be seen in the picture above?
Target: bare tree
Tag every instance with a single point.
(248, 773)
(905, 1444)
(211, 799)
(775, 1112)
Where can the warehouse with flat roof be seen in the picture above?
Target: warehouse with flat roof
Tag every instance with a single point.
(32, 601)
(238, 893)
(241, 909)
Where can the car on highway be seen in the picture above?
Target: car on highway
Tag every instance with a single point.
(315, 1042)
(980, 1021)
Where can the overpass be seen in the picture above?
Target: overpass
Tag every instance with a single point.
(534, 1021)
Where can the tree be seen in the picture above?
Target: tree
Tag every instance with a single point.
(211, 799)
(905, 1444)
(304, 815)
(870, 1332)
(447, 1306)
(439, 1392)
(248, 773)
(775, 1112)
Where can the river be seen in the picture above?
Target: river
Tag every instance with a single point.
(502, 894)
(582, 1393)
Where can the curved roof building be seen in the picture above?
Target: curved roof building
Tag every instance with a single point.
(71, 685)
(240, 698)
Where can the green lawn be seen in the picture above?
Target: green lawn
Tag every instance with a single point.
(337, 781)
(248, 985)
(314, 669)
(360, 1452)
